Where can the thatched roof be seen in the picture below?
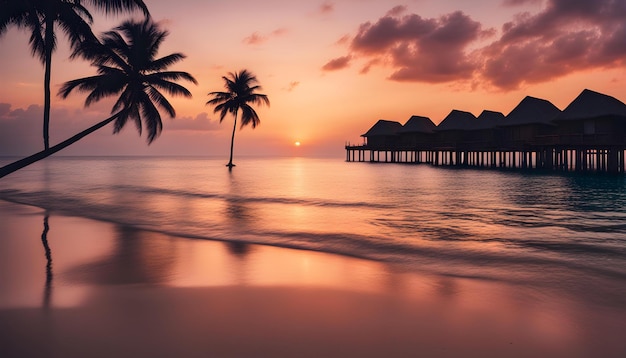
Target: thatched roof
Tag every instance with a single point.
(489, 119)
(457, 121)
(591, 104)
(531, 110)
(418, 124)
(383, 128)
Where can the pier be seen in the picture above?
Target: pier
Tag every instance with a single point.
(586, 159)
(589, 135)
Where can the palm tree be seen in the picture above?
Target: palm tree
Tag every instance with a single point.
(126, 63)
(40, 18)
(240, 93)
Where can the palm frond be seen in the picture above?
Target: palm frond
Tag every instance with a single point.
(240, 92)
(170, 76)
(165, 62)
(118, 6)
(126, 66)
(170, 87)
(75, 21)
(123, 101)
(151, 118)
(249, 116)
(161, 101)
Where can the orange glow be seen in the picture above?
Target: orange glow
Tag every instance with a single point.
(325, 108)
(297, 144)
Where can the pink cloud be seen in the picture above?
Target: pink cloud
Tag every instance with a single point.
(564, 37)
(397, 11)
(419, 49)
(365, 69)
(327, 8)
(21, 131)
(280, 31)
(201, 122)
(337, 63)
(520, 2)
(255, 39)
(292, 85)
(343, 40)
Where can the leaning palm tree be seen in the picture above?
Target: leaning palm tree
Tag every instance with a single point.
(239, 95)
(127, 67)
(39, 17)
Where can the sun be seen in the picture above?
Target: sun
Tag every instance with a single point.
(297, 144)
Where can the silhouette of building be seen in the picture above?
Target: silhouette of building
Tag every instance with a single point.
(383, 134)
(417, 133)
(589, 135)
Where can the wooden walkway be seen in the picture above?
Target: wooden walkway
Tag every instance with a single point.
(607, 159)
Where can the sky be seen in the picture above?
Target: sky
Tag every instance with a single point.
(331, 69)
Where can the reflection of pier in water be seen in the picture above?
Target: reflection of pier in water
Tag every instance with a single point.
(588, 135)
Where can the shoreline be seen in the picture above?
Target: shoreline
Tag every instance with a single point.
(115, 290)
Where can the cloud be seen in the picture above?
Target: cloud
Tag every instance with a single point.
(520, 2)
(419, 49)
(397, 11)
(21, 132)
(201, 122)
(280, 31)
(4, 108)
(563, 37)
(292, 85)
(337, 64)
(327, 8)
(21, 129)
(365, 69)
(256, 38)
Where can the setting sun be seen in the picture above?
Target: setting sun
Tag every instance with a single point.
(297, 144)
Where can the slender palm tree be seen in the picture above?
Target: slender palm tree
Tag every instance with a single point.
(39, 17)
(127, 67)
(239, 95)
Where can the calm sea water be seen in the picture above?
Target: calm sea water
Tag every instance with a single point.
(560, 230)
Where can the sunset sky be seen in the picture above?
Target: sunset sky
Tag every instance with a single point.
(331, 69)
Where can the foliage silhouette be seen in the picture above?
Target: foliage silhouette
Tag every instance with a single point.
(126, 63)
(39, 17)
(239, 95)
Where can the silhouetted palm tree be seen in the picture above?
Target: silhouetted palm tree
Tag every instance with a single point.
(240, 94)
(125, 58)
(40, 18)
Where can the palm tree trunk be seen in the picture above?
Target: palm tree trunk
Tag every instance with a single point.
(10, 168)
(230, 164)
(46, 85)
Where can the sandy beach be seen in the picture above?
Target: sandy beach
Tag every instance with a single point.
(115, 291)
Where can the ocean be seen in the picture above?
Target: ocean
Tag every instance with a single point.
(563, 232)
(284, 257)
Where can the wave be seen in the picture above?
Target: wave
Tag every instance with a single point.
(514, 260)
(247, 199)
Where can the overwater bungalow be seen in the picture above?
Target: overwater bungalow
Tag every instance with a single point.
(383, 134)
(589, 135)
(482, 141)
(381, 137)
(417, 133)
(592, 132)
(592, 119)
(416, 139)
(527, 123)
(484, 135)
(452, 131)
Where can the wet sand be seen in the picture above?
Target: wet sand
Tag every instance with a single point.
(116, 291)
